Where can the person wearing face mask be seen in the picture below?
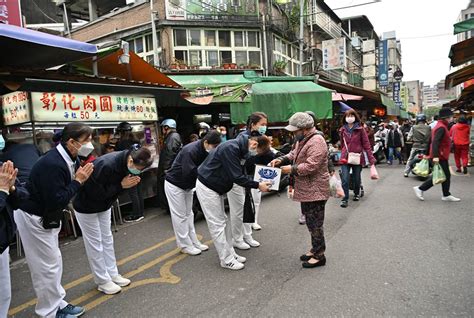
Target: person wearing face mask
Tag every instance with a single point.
(223, 132)
(242, 232)
(216, 177)
(113, 173)
(54, 180)
(354, 139)
(179, 184)
(394, 143)
(439, 154)
(308, 163)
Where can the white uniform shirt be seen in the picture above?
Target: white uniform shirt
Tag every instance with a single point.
(71, 164)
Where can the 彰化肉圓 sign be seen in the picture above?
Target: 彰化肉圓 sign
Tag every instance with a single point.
(51, 106)
(15, 108)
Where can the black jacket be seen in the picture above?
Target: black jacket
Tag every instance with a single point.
(394, 139)
(24, 157)
(7, 204)
(222, 168)
(103, 187)
(50, 187)
(183, 172)
(172, 145)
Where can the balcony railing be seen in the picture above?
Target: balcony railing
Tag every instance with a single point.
(320, 18)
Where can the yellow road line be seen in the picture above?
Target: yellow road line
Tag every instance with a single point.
(85, 278)
(165, 277)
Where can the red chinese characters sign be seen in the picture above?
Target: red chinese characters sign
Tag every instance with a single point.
(51, 106)
(15, 109)
(10, 12)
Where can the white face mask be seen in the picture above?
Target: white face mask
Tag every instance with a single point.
(252, 152)
(350, 120)
(85, 149)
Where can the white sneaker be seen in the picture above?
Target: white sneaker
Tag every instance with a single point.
(191, 250)
(418, 193)
(121, 281)
(256, 227)
(233, 265)
(241, 245)
(250, 241)
(110, 288)
(450, 198)
(240, 259)
(200, 246)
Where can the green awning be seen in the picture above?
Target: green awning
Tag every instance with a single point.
(225, 88)
(281, 99)
(404, 114)
(392, 109)
(464, 26)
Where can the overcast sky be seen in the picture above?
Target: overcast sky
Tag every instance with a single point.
(425, 28)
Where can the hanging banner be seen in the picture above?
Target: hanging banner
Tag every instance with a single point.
(396, 94)
(221, 10)
(334, 54)
(10, 12)
(383, 63)
(67, 107)
(15, 108)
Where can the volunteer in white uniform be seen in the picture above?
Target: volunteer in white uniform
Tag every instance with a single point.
(10, 194)
(216, 176)
(242, 232)
(113, 173)
(54, 180)
(179, 187)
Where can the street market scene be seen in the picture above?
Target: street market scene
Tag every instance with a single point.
(187, 158)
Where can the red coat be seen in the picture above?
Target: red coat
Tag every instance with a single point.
(357, 142)
(312, 181)
(460, 134)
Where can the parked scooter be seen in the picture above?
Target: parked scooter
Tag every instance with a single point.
(379, 150)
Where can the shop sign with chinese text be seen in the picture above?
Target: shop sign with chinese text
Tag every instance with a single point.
(51, 106)
(15, 109)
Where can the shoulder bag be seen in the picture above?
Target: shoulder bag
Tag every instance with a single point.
(353, 158)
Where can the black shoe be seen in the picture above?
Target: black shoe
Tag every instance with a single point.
(405, 175)
(458, 170)
(344, 204)
(305, 258)
(356, 198)
(133, 218)
(321, 262)
(464, 170)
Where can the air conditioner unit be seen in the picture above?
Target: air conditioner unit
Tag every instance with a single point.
(356, 42)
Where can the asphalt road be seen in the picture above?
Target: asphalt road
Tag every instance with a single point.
(388, 255)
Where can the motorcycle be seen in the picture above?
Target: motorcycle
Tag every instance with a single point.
(379, 150)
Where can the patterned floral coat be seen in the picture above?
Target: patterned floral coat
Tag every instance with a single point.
(310, 168)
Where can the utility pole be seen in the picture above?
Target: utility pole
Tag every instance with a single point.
(153, 35)
(301, 38)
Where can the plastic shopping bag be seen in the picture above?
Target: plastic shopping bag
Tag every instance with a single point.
(374, 175)
(422, 168)
(335, 186)
(438, 174)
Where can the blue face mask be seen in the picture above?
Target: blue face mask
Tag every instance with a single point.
(134, 171)
(223, 138)
(262, 130)
(2, 142)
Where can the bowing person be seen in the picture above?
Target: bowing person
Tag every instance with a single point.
(216, 177)
(54, 180)
(113, 173)
(11, 191)
(179, 184)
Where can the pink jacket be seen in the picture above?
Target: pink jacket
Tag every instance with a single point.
(310, 159)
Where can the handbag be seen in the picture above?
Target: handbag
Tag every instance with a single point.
(249, 207)
(353, 158)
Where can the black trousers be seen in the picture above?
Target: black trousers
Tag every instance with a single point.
(445, 185)
(314, 213)
(162, 200)
(136, 196)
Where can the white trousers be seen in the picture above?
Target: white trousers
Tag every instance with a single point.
(5, 284)
(99, 244)
(212, 204)
(181, 206)
(45, 262)
(236, 197)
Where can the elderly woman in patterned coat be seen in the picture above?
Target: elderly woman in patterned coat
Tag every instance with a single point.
(308, 163)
